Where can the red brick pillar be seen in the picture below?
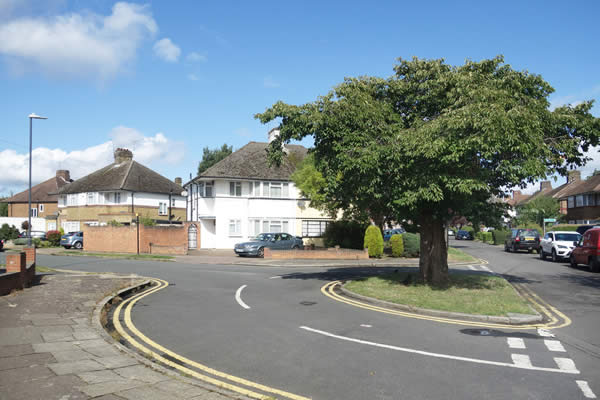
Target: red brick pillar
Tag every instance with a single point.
(30, 255)
(267, 253)
(16, 263)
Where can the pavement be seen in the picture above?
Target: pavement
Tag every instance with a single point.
(50, 348)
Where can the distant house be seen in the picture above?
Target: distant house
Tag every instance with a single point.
(582, 199)
(44, 201)
(118, 192)
(242, 196)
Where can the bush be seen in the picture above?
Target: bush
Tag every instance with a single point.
(62, 231)
(467, 228)
(499, 236)
(397, 245)
(374, 241)
(8, 232)
(485, 237)
(412, 244)
(147, 221)
(570, 228)
(114, 222)
(25, 225)
(23, 242)
(346, 234)
(53, 238)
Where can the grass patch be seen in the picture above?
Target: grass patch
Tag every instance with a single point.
(154, 257)
(466, 293)
(39, 268)
(456, 255)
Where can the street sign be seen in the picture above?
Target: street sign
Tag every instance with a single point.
(549, 219)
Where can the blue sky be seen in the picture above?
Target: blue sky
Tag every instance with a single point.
(166, 79)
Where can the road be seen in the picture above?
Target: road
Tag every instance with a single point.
(273, 326)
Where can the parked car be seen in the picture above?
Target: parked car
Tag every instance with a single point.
(464, 235)
(587, 251)
(522, 239)
(1, 244)
(72, 239)
(34, 234)
(275, 241)
(558, 244)
(388, 233)
(584, 228)
(450, 232)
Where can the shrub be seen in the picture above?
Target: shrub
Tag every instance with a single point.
(8, 232)
(467, 228)
(346, 234)
(397, 245)
(23, 242)
(374, 241)
(563, 228)
(114, 222)
(487, 237)
(62, 231)
(147, 221)
(412, 244)
(25, 225)
(53, 238)
(499, 236)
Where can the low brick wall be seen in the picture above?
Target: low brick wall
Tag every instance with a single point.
(325, 254)
(160, 239)
(20, 271)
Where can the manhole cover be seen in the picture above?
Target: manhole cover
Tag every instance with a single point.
(308, 303)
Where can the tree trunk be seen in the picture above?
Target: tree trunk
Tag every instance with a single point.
(433, 260)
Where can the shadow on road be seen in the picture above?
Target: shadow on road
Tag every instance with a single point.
(496, 333)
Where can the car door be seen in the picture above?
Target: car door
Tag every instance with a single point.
(582, 255)
(547, 242)
(286, 241)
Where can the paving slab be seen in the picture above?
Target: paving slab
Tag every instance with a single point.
(55, 387)
(25, 360)
(99, 389)
(16, 350)
(72, 355)
(179, 388)
(19, 335)
(93, 377)
(25, 374)
(116, 361)
(141, 373)
(73, 367)
(147, 393)
(104, 350)
(54, 347)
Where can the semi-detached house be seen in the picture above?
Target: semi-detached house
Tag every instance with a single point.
(242, 196)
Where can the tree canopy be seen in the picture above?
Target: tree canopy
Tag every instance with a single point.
(539, 208)
(211, 157)
(434, 141)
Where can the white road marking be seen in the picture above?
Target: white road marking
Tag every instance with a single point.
(275, 277)
(366, 325)
(486, 269)
(238, 297)
(554, 345)
(472, 268)
(585, 388)
(544, 332)
(515, 343)
(522, 360)
(438, 355)
(565, 364)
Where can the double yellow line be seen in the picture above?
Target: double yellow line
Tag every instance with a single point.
(150, 348)
(556, 318)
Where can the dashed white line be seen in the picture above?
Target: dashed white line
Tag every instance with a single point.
(521, 360)
(238, 297)
(275, 277)
(366, 325)
(515, 343)
(521, 365)
(554, 345)
(585, 388)
(544, 332)
(565, 364)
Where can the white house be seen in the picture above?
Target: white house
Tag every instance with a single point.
(241, 196)
(119, 192)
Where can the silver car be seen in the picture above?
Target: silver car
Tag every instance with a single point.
(72, 239)
(275, 241)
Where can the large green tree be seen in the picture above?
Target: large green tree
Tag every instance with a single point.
(539, 208)
(211, 157)
(434, 141)
(3, 208)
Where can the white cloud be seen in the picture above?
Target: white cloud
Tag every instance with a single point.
(269, 82)
(147, 150)
(196, 57)
(77, 45)
(167, 50)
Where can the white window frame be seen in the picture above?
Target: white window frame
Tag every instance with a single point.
(34, 212)
(41, 207)
(235, 227)
(117, 197)
(235, 189)
(275, 186)
(579, 200)
(313, 228)
(571, 202)
(90, 198)
(162, 208)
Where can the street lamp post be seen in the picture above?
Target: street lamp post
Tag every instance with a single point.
(32, 116)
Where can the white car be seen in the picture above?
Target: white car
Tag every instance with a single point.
(558, 244)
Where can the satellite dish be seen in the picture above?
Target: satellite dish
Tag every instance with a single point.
(184, 193)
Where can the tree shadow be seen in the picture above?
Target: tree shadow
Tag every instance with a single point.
(496, 333)
(343, 273)
(518, 279)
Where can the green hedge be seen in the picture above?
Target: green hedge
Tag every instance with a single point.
(374, 241)
(531, 226)
(397, 245)
(499, 236)
(23, 242)
(570, 228)
(412, 244)
(346, 234)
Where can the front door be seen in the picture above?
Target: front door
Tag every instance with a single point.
(208, 232)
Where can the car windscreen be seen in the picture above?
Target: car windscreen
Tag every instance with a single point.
(529, 232)
(264, 237)
(568, 237)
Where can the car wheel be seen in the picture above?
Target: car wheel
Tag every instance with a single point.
(78, 245)
(594, 265)
(542, 254)
(505, 248)
(67, 247)
(295, 247)
(554, 256)
(514, 248)
(572, 261)
(530, 251)
(261, 252)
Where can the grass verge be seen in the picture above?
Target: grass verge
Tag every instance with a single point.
(456, 255)
(153, 257)
(466, 293)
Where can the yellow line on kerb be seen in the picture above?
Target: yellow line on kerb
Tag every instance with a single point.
(328, 290)
(128, 322)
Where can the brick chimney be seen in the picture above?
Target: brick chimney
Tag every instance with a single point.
(64, 174)
(178, 181)
(545, 186)
(122, 155)
(518, 196)
(573, 176)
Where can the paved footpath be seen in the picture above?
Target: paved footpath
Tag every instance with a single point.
(49, 348)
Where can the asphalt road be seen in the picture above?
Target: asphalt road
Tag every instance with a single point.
(294, 338)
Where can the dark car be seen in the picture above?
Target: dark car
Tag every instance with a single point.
(72, 239)
(1, 244)
(522, 239)
(275, 241)
(464, 235)
(584, 228)
(388, 233)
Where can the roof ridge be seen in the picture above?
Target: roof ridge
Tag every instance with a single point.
(126, 175)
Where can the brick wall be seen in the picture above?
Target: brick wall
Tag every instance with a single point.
(327, 254)
(162, 239)
(20, 209)
(120, 213)
(20, 271)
